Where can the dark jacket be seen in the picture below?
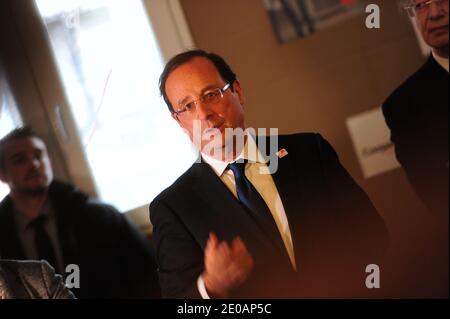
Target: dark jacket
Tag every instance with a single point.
(31, 280)
(417, 114)
(115, 259)
(335, 229)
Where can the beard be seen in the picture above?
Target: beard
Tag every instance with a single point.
(35, 185)
(35, 191)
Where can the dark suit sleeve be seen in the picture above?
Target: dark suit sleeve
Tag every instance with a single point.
(179, 257)
(365, 231)
(54, 283)
(136, 261)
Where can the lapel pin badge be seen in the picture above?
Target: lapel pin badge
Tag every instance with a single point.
(282, 153)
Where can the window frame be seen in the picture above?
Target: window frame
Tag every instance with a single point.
(39, 91)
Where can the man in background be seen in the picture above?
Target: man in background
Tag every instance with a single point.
(417, 115)
(43, 218)
(417, 111)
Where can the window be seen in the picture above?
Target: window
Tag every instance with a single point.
(9, 117)
(109, 62)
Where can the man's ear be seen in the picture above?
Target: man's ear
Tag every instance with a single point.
(238, 90)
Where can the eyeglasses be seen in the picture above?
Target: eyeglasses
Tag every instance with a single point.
(414, 7)
(209, 97)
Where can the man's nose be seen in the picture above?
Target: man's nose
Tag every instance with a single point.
(436, 10)
(36, 163)
(203, 111)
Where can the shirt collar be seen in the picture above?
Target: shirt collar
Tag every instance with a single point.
(250, 152)
(442, 61)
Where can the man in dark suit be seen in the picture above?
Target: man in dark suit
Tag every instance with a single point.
(417, 112)
(31, 280)
(241, 223)
(417, 115)
(45, 219)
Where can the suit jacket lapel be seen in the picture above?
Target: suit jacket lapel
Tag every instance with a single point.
(69, 247)
(67, 241)
(291, 198)
(65, 208)
(291, 188)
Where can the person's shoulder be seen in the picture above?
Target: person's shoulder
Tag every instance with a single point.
(301, 137)
(62, 192)
(76, 198)
(97, 205)
(83, 211)
(408, 89)
(5, 205)
(303, 147)
(300, 142)
(180, 185)
(423, 74)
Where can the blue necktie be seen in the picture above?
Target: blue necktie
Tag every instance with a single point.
(254, 203)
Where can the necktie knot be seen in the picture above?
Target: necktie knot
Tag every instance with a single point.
(38, 221)
(238, 169)
(255, 205)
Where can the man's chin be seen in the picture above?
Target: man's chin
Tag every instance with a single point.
(36, 188)
(223, 146)
(439, 41)
(35, 191)
(213, 150)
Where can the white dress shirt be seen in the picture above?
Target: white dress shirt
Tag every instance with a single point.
(257, 173)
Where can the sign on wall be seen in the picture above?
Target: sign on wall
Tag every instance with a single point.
(371, 140)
